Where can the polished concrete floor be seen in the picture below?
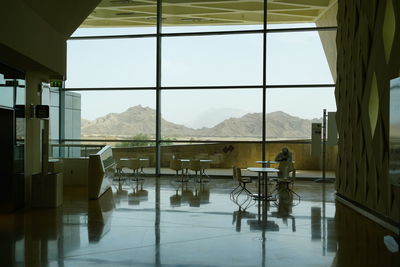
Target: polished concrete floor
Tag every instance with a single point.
(166, 224)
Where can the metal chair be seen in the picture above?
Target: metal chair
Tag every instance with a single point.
(286, 177)
(204, 165)
(134, 165)
(176, 165)
(237, 191)
(119, 172)
(144, 163)
(195, 166)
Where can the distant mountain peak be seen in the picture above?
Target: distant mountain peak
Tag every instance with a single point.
(213, 116)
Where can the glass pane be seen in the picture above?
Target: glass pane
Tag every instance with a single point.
(68, 99)
(215, 158)
(76, 123)
(136, 17)
(212, 60)
(298, 15)
(7, 96)
(21, 82)
(103, 31)
(291, 111)
(212, 114)
(72, 116)
(45, 96)
(68, 124)
(20, 100)
(55, 97)
(203, 16)
(116, 115)
(54, 123)
(111, 63)
(290, 25)
(301, 58)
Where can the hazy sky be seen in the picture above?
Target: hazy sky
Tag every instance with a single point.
(293, 58)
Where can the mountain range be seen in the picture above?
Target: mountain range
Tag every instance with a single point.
(140, 120)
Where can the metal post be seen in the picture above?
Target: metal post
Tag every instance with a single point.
(61, 128)
(264, 97)
(158, 88)
(324, 146)
(324, 127)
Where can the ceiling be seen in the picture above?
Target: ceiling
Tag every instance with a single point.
(128, 13)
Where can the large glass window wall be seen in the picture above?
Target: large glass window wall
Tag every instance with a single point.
(201, 87)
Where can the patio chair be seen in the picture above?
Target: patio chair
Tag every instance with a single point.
(134, 165)
(237, 191)
(195, 165)
(286, 178)
(144, 163)
(176, 165)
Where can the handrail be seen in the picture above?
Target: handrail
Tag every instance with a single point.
(76, 145)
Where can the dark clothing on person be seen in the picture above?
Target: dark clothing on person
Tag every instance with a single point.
(284, 155)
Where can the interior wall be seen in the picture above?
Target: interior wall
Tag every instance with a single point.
(368, 41)
(25, 33)
(33, 35)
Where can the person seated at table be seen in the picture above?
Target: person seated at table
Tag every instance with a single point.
(285, 163)
(284, 155)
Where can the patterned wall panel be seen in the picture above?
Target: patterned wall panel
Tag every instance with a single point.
(368, 42)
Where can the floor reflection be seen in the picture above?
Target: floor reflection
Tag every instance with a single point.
(193, 194)
(99, 216)
(161, 222)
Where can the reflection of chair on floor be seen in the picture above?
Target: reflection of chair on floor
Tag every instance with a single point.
(204, 194)
(176, 165)
(187, 194)
(194, 201)
(139, 194)
(120, 173)
(286, 177)
(284, 206)
(239, 215)
(176, 199)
